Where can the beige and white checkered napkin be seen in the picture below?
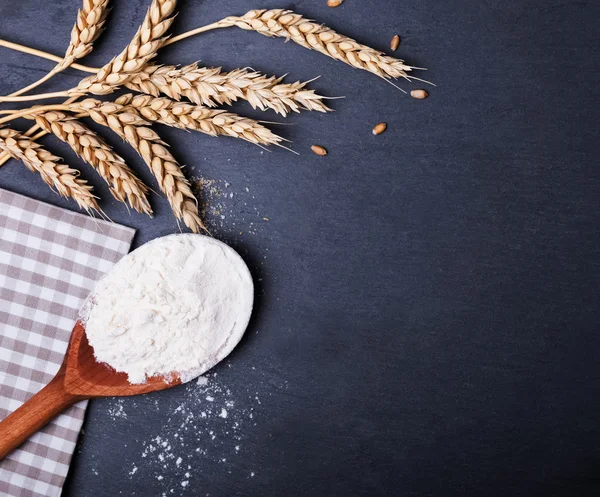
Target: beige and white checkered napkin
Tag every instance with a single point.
(50, 259)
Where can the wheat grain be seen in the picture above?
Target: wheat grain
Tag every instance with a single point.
(214, 122)
(319, 150)
(212, 87)
(135, 130)
(379, 128)
(286, 24)
(148, 39)
(419, 94)
(54, 174)
(124, 185)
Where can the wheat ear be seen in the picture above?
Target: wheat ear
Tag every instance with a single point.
(124, 185)
(88, 27)
(146, 42)
(286, 24)
(211, 87)
(54, 174)
(136, 131)
(193, 117)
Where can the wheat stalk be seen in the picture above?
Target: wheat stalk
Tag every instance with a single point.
(44, 55)
(193, 117)
(135, 130)
(286, 24)
(124, 185)
(148, 39)
(212, 87)
(59, 176)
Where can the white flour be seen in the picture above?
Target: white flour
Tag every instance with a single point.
(178, 304)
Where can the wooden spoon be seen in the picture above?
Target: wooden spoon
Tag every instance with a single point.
(80, 377)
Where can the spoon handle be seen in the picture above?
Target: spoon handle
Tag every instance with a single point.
(35, 414)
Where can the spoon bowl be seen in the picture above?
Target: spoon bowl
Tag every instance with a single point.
(87, 377)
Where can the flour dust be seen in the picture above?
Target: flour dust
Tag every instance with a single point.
(212, 423)
(228, 209)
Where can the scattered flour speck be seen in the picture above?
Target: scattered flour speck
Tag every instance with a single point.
(226, 212)
(117, 410)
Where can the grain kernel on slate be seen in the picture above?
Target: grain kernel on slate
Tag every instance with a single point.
(317, 149)
(419, 94)
(380, 128)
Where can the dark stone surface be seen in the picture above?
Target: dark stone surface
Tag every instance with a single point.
(428, 310)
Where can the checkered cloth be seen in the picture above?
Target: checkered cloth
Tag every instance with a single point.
(50, 259)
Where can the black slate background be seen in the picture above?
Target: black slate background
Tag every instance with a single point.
(427, 316)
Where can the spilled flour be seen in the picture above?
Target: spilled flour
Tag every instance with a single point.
(194, 431)
(229, 209)
(117, 410)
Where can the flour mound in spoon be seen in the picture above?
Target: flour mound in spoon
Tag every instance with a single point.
(178, 304)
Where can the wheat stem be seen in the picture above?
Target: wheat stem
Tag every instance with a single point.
(43, 55)
(32, 111)
(35, 84)
(40, 96)
(193, 32)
